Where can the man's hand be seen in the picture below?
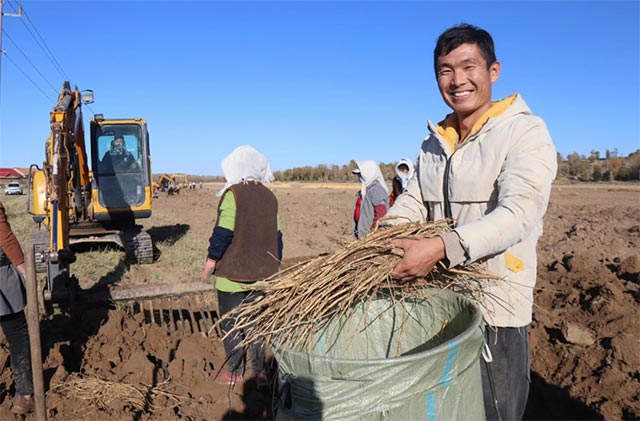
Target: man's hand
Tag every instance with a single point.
(420, 256)
(209, 266)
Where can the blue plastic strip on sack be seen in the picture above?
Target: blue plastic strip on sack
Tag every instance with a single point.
(431, 406)
(445, 381)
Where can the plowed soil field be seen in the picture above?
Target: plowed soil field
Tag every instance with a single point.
(159, 362)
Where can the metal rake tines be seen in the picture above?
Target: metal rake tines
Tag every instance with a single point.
(187, 315)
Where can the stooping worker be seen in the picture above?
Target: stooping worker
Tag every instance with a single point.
(404, 172)
(12, 318)
(372, 200)
(244, 249)
(488, 166)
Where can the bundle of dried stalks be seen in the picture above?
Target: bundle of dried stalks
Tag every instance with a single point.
(299, 301)
(101, 393)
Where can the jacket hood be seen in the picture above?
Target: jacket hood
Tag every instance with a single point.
(500, 110)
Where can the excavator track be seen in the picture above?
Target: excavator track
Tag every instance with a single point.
(138, 246)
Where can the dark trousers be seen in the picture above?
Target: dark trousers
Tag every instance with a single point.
(510, 370)
(228, 301)
(14, 327)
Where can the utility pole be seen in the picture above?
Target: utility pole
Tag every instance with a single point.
(19, 14)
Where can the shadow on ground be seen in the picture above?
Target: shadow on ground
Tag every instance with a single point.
(550, 402)
(168, 233)
(258, 399)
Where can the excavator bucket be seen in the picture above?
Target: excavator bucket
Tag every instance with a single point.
(183, 307)
(188, 315)
(187, 308)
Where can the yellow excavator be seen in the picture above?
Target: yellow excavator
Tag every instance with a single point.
(76, 204)
(165, 182)
(181, 181)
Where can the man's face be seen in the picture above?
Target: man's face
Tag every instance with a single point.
(465, 81)
(118, 146)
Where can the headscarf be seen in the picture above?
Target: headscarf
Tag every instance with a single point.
(370, 172)
(404, 177)
(245, 163)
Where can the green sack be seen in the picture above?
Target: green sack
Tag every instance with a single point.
(389, 360)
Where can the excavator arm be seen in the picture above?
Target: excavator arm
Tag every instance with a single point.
(59, 193)
(67, 172)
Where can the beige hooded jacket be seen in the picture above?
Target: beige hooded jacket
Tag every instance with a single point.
(496, 187)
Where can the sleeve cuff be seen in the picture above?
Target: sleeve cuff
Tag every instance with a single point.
(453, 250)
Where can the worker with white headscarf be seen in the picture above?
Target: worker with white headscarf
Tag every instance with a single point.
(244, 249)
(372, 200)
(404, 172)
(245, 164)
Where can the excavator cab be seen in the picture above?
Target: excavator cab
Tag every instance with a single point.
(122, 183)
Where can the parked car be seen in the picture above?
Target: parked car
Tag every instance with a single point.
(13, 188)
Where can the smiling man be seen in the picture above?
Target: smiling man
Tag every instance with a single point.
(489, 167)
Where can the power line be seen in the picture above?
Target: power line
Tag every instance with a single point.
(2, 14)
(37, 37)
(42, 44)
(27, 76)
(13, 7)
(27, 58)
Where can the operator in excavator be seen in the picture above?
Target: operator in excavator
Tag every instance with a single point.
(118, 158)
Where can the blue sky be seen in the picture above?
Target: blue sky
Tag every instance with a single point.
(310, 82)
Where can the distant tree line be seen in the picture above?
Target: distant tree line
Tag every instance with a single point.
(319, 173)
(596, 168)
(203, 178)
(330, 173)
(576, 167)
